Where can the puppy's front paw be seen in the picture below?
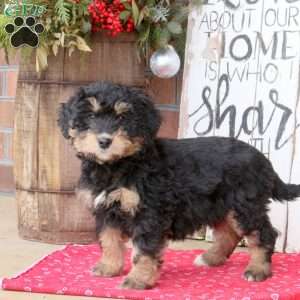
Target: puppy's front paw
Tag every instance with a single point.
(133, 283)
(258, 274)
(106, 270)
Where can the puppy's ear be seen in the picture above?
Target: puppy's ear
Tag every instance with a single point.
(122, 107)
(154, 119)
(64, 120)
(151, 114)
(96, 107)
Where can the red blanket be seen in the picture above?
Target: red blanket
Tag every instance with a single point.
(67, 272)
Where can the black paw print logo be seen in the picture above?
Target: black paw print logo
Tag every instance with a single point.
(24, 33)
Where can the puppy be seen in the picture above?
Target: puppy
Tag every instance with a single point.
(152, 190)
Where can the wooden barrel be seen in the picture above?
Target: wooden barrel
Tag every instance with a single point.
(46, 169)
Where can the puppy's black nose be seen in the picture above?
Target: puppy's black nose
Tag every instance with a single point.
(105, 142)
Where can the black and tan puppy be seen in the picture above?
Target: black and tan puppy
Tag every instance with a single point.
(152, 190)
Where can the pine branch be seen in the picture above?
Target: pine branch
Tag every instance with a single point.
(63, 11)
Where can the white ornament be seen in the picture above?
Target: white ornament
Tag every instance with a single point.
(165, 62)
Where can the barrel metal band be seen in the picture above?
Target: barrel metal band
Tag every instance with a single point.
(39, 81)
(37, 190)
(59, 82)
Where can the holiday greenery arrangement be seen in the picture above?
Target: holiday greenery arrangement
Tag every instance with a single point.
(69, 24)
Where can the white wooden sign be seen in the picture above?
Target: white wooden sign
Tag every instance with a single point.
(241, 79)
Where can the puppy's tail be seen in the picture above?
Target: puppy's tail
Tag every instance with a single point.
(283, 191)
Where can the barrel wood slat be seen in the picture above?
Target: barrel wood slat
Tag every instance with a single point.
(25, 146)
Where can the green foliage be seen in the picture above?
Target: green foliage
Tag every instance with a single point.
(160, 36)
(160, 22)
(63, 10)
(4, 38)
(124, 15)
(174, 27)
(67, 25)
(135, 12)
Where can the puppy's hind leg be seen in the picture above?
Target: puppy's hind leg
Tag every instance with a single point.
(226, 239)
(261, 243)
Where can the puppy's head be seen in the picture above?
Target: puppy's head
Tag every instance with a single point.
(106, 122)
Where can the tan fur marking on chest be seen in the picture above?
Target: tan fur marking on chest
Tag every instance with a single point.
(128, 198)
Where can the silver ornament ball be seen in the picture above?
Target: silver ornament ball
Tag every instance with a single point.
(165, 62)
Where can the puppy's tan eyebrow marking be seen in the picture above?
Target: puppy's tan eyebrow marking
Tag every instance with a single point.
(96, 107)
(121, 107)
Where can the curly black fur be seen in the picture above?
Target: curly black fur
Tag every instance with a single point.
(182, 184)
